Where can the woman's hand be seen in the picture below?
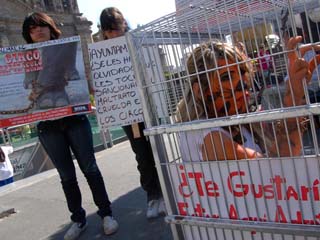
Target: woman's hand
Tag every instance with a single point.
(298, 71)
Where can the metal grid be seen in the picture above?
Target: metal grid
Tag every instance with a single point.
(275, 194)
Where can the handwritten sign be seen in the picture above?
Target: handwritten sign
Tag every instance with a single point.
(262, 190)
(155, 80)
(116, 96)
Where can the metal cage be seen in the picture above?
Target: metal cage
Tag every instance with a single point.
(272, 194)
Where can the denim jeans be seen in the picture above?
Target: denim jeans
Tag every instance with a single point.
(6, 181)
(149, 179)
(58, 138)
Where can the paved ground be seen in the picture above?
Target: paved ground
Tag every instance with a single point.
(41, 210)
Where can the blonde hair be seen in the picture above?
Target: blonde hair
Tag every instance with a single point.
(202, 59)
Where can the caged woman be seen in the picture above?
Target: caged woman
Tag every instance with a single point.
(219, 76)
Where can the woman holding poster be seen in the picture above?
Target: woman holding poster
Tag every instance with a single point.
(57, 66)
(74, 132)
(114, 25)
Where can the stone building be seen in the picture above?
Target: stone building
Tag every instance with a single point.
(65, 13)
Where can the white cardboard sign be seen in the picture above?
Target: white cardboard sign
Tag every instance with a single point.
(284, 191)
(116, 96)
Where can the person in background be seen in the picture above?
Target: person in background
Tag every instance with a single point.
(265, 64)
(60, 136)
(114, 25)
(6, 169)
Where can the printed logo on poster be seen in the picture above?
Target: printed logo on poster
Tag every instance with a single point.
(42, 81)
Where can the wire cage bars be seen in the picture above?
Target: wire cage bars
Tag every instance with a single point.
(230, 95)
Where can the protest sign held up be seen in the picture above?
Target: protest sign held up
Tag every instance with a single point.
(42, 81)
(116, 96)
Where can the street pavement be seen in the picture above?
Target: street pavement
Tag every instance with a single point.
(41, 211)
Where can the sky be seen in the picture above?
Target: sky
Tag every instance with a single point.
(135, 11)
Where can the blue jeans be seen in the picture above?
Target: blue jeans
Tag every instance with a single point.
(58, 138)
(6, 181)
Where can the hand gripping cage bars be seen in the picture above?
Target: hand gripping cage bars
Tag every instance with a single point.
(273, 197)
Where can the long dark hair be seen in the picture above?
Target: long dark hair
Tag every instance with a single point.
(111, 18)
(39, 19)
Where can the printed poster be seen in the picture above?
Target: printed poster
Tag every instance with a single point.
(42, 81)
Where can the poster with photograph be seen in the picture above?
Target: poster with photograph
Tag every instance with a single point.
(42, 81)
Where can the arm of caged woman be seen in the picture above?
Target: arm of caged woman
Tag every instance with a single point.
(287, 139)
(219, 79)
